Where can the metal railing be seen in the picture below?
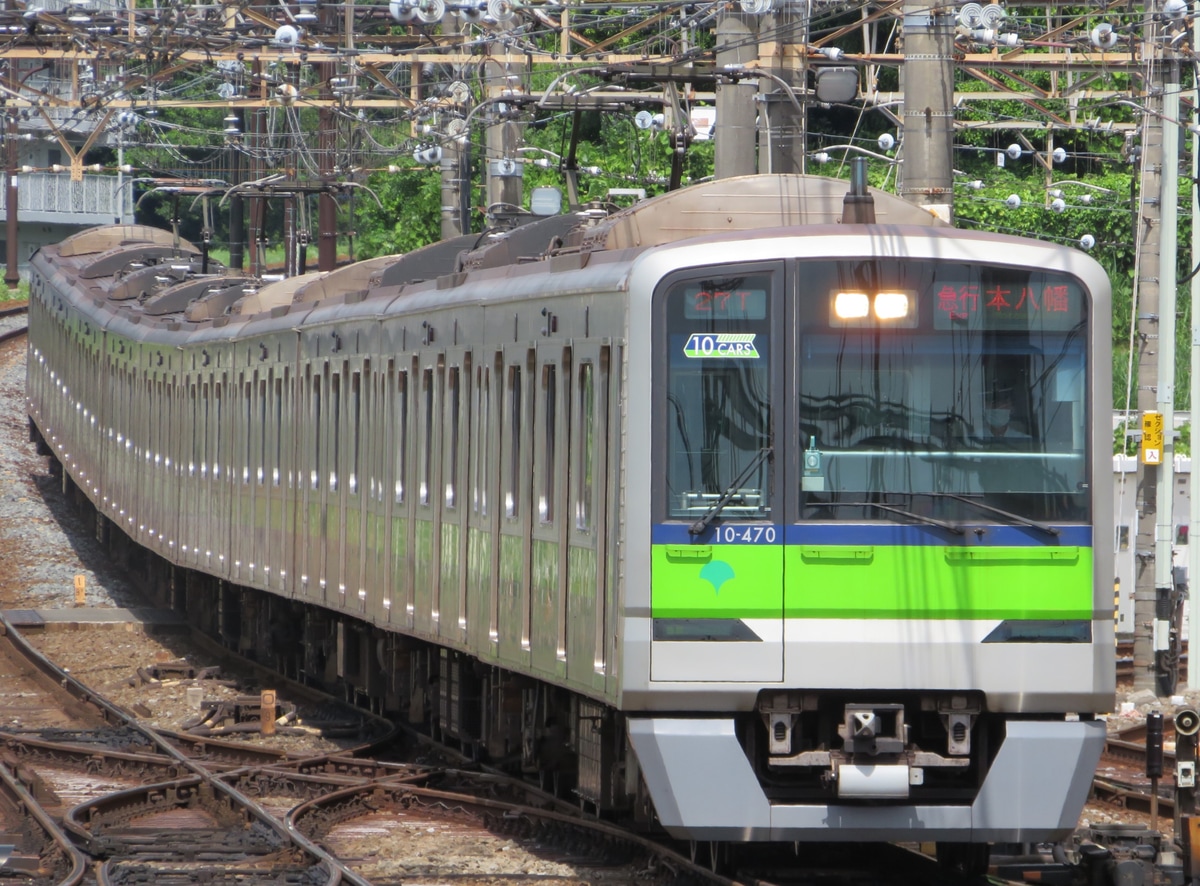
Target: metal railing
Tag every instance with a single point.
(97, 197)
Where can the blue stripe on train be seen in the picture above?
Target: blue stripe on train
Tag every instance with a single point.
(870, 534)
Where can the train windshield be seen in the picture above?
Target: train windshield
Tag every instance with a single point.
(948, 391)
(719, 397)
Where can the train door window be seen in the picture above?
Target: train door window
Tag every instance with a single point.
(482, 438)
(262, 432)
(512, 464)
(316, 466)
(199, 417)
(545, 493)
(585, 423)
(247, 391)
(376, 405)
(277, 467)
(1122, 538)
(426, 436)
(335, 429)
(597, 469)
(153, 428)
(162, 449)
(355, 438)
(453, 415)
(401, 444)
(214, 426)
(147, 408)
(1181, 534)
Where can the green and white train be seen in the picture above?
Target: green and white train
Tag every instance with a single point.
(765, 510)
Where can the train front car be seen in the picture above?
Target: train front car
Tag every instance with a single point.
(878, 513)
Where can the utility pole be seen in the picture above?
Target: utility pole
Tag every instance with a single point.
(1193, 669)
(1156, 366)
(736, 106)
(783, 146)
(326, 206)
(927, 175)
(237, 206)
(12, 275)
(502, 172)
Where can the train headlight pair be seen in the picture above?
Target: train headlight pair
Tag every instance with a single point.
(860, 305)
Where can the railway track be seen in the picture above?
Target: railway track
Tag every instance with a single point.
(107, 738)
(161, 816)
(11, 325)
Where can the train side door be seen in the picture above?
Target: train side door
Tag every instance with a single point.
(716, 534)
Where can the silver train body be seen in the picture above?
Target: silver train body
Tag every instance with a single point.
(692, 503)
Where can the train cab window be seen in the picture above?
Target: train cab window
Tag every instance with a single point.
(945, 391)
(719, 341)
(401, 444)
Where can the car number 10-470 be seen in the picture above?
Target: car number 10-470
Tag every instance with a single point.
(763, 535)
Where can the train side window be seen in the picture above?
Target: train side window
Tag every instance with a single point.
(401, 413)
(586, 423)
(512, 479)
(549, 412)
(453, 416)
(355, 438)
(426, 436)
(1122, 538)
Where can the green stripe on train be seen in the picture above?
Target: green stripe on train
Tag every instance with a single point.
(865, 581)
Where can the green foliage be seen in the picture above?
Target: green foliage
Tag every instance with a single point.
(1123, 444)
(411, 213)
(21, 293)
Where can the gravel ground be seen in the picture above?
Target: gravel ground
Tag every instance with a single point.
(42, 543)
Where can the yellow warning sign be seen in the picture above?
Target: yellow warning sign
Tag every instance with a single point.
(1152, 438)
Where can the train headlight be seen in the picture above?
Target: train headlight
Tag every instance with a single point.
(891, 305)
(851, 305)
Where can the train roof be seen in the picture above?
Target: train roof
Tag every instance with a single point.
(151, 276)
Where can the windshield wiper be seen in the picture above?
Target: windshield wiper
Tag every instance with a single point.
(1016, 518)
(921, 518)
(731, 490)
